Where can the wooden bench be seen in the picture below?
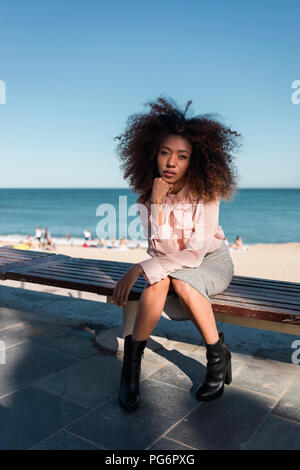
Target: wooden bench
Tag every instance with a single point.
(248, 301)
(11, 256)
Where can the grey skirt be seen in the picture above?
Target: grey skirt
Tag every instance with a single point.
(212, 277)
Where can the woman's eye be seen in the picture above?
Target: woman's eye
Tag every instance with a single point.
(164, 152)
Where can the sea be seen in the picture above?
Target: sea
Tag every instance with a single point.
(256, 215)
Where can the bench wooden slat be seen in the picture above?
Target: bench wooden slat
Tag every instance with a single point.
(66, 267)
(256, 294)
(4, 260)
(5, 251)
(105, 288)
(261, 279)
(88, 274)
(257, 303)
(267, 283)
(102, 283)
(24, 276)
(86, 262)
(269, 289)
(221, 305)
(19, 265)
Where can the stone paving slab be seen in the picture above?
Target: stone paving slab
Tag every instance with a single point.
(75, 342)
(275, 433)
(289, 405)
(113, 428)
(64, 440)
(169, 444)
(225, 423)
(266, 376)
(9, 317)
(29, 415)
(91, 382)
(20, 332)
(183, 372)
(29, 362)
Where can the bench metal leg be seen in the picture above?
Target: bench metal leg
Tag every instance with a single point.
(129, 315)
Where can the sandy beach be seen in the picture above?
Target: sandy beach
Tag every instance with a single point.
(269, 261)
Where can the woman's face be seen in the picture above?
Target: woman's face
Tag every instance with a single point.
(173, 158)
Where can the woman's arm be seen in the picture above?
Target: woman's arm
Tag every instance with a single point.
(155, 219)
(125, 284)
(206, 224)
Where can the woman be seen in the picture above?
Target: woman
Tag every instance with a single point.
(181, 167)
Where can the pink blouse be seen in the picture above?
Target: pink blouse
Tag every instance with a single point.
(191, 230)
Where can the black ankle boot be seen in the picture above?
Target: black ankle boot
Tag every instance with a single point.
(218, 370)
(129, 395)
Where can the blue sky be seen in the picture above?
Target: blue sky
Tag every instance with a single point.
(75, 70)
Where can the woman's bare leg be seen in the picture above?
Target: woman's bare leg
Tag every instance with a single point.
(151, 304)
(198, 309)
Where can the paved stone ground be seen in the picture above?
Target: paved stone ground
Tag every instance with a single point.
(58, 390)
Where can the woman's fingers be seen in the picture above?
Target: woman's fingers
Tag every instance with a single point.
(123, 293)
(125, 298)
(122, 288)
(119, 293)
(115, 295)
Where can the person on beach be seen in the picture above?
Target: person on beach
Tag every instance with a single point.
(123, 243)
(87, 234)
(238, 245)
(101, 243)
(38, 236)
(46, 240)
(181, 168)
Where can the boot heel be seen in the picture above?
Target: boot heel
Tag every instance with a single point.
(228, 377)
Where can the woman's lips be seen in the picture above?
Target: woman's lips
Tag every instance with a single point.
(168, 175)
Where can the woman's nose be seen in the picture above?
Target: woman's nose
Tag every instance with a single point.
(171, 160)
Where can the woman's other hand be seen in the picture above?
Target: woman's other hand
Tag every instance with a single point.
(124, 285)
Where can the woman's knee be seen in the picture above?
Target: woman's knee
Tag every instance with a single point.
(180, 287)
(163, 284)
